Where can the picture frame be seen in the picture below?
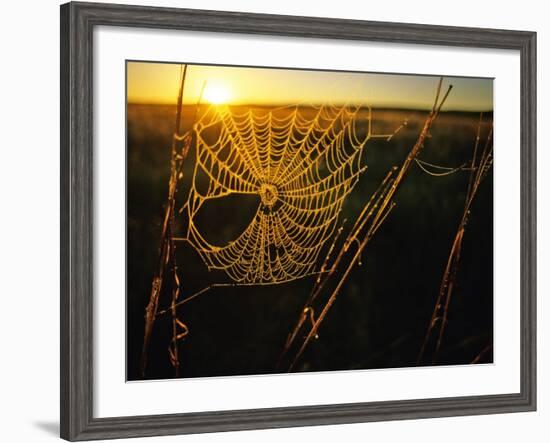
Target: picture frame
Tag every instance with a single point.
(78, 21)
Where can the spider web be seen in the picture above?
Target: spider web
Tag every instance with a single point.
(301, 161)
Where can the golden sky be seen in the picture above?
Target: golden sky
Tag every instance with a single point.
(152, 83)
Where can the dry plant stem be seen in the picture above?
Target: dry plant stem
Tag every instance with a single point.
(323, 278)
(484, 351)
(209, 288)
(195, 295)
(448, 282)
(166, 250)
(457, 247)
(380, 210)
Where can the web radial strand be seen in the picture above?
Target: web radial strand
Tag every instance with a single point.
(302, 162)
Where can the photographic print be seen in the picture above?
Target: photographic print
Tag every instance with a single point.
(291, 220)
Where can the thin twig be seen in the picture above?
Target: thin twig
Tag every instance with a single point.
(379, 211)
(166, 250)
(366, 213)
(484, 351)
(440, 312)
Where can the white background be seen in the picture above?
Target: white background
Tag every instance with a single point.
(29, 175)
(113, 397)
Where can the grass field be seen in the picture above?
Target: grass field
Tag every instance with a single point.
(378, 321)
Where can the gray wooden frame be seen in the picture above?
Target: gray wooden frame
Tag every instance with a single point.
(77, 24)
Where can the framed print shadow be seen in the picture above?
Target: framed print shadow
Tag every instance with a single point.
(273, 221)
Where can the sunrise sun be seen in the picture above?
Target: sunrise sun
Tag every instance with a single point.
(217, 94)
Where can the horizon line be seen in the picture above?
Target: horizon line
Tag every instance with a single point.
(284, 104)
